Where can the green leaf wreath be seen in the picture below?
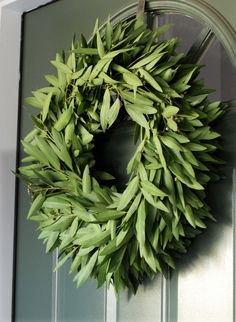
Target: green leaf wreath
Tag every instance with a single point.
(121, 237)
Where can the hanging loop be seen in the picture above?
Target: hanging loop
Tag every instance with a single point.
(141, 8)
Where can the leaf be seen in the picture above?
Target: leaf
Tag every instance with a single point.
(137, 117)
(64, 259)
(154, 56)
(53, 80)
(101, 64)
(158, 204)
(140, 226)
(85, 271)
(170, 110)
(188, 213)
(164, 28)
(55, 202)
(35, 152)
(172, 124)
(48, 152)
(85, 51)
(104, 114)
(138, 99)
(149, 256)
(144, 109)
(159, 149)
(133, 207)
(36, 205)
(171, 143)
(128, 194)
(107, 215)
(152, 189)
(114, 112)
(74, 227)
(132, 79)
(93, 239)
(64, 119)
(108, 34)
(100, 46)
(61, 66)
(86, 180)
(33, 101)
(51, 240)
(150, 80)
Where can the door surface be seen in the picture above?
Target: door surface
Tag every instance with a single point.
(202, 287)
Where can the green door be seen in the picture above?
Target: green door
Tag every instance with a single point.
(202, 287)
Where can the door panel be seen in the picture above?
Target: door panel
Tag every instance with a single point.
(46, 31)
(204, 279)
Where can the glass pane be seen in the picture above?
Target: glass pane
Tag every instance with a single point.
(184, 28)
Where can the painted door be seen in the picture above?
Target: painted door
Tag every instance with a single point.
(202, 287)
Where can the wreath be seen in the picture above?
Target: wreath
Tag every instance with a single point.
(121, 237)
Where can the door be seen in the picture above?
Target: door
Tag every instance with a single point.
(202, 287)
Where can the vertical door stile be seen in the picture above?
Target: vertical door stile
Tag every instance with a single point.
(55, 280)
(110, 304)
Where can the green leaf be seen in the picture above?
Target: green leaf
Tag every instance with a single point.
(149, 256)
(108, 34)
(154, 56)
(64, 259)
(100, 46)
(172, 124)
(53, 80)
(150, 80)
(132, 79)
(104, 114)
(109, 215)
(35, 152)
(159, 149)
(33, 101)
(133, 207)
(101, 65)
(137, 117)
(55, 202)
(85, 51)
(93, 239)
(180, 193)
(36, 205)
(188, 213)
(144, 109)
(171, 142)
(114, 112)
(61, 66)
(140, 226)
(51, 240)
(64, 119)
(170, 110)
(158, 204)
(164, 28)
(152, 189)
(128, 194)
(85, 271)
(86, 180)
(48, 152)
